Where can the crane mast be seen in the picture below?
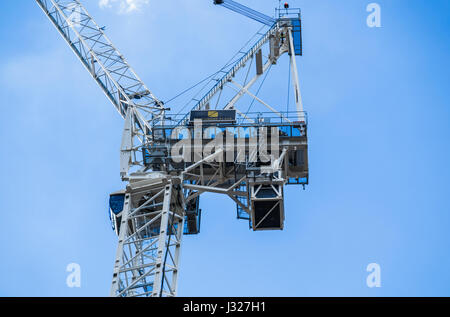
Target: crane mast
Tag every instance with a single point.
(165, 163)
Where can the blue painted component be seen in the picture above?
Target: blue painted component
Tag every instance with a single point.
(116, 203)
(146, 156)
(241, 213)
(297, 35)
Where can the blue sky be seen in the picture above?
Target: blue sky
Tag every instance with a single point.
(377, 100)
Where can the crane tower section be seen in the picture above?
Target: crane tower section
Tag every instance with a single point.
(231, 142)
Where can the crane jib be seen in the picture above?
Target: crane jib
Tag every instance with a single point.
(104, 62)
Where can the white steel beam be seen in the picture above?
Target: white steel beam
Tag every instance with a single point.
(296, 82)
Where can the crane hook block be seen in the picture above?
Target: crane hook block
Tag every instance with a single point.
(218, 1)
(286, 5)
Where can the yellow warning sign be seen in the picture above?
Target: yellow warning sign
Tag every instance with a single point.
(213, 114)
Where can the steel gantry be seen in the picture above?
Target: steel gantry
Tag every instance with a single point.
(220, 146)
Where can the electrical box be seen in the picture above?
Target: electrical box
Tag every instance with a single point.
(267, 207)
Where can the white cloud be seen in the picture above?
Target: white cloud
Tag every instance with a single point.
(124, 6)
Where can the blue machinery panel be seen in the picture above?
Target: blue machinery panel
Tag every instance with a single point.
(297, 36)
(116, 203)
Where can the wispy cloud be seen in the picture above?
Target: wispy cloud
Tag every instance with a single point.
(124, 6)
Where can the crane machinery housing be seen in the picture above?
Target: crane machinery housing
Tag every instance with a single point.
(219, 146)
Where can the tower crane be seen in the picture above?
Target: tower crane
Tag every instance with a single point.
(168, 160)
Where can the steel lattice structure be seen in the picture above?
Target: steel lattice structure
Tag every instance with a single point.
(161, 200)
